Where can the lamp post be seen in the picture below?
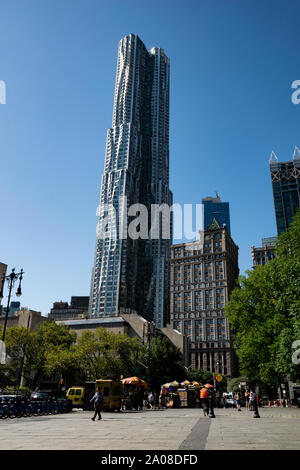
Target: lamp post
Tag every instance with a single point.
(149, 332)
(11, 279)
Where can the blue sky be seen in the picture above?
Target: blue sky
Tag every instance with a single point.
(232, 65)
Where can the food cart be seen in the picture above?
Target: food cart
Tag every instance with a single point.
(133, 393)
(169, 397)
(188, 394)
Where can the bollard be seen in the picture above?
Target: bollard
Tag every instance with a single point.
(256, 413)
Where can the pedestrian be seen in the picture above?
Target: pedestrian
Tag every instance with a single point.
(98, 404)
(204, 396)
(140, 398)
(151, 400)
(252, 398)
(237, 401)
(247, 398)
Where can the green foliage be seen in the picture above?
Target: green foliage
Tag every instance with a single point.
(103, 354)
(264, 313)
(166, 362)
(45, 351)
(201, 376)
(233, 384)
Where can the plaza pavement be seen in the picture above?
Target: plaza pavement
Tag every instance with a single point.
(168, 429)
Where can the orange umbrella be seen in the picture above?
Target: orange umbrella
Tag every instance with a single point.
(134, 381)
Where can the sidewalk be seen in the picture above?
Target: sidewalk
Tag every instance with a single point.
(277, 429)
(168, 429)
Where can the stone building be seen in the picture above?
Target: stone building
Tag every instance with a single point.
(24, 317)
(261, 255)
(203, 275)
(78, 309)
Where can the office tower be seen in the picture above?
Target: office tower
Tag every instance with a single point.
(202, 277)
(214, 208)
(78, 309)
(261, 255)
(134, 273)
(285, 179)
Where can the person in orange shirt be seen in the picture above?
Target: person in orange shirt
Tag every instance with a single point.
(204, 396)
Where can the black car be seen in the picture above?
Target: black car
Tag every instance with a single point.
(42, 394)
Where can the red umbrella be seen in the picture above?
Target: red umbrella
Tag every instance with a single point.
(208, 385)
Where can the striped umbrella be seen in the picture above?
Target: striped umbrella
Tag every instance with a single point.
(196, 384)
(174, 384)
(185, 383)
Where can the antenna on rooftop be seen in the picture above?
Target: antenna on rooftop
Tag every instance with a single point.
(273, 157)
(296, 153)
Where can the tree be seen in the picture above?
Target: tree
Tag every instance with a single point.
(21, 342)
(166, 362)
(264, 313)
(36, 353)
(201, 376)
(105, 354)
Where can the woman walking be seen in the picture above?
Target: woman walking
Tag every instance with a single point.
(98, 404)
(237, 401)
(247, 398)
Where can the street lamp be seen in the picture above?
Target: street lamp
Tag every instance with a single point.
(149, 331)
(11, 279)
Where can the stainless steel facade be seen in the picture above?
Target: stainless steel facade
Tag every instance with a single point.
(133, 273)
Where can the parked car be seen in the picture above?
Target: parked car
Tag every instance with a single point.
(40, 394)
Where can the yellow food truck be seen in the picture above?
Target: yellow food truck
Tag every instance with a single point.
(112, 392)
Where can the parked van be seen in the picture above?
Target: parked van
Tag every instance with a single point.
(229, 398)
(76, 395)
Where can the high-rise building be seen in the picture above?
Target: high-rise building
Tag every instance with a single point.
(134, 273)
(261, 255)
(285, 177)
(202, 277)
(214, 208)
(78, 308)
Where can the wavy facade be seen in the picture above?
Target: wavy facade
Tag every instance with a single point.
(128, 273)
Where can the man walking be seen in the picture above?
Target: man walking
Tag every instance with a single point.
(98, 404)
(204, 396)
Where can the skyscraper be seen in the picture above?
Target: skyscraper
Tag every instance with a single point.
(285, 179)
(203, 275)
(214, 208)
(134, 273)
